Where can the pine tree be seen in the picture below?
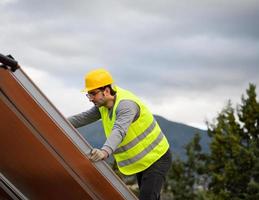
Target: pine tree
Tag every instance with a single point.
(234, 151)
(230, 171)
(186, 176)
(248, 114)
(177, 181)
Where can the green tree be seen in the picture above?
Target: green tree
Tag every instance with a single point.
(248, 113)
(229, 160)
(185, 177)
(233, 161)
(230, 170)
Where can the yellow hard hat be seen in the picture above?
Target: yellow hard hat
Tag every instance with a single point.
(96, 79)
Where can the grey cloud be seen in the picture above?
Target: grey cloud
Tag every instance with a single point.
(231, 18)
(150, 47)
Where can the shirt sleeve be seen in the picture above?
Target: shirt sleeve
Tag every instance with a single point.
(126, 113)
(85, 118)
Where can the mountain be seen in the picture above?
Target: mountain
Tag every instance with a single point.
(177, 134)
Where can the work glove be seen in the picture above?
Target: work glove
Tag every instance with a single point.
(98, 154)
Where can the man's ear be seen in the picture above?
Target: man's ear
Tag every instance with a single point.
(107, 91)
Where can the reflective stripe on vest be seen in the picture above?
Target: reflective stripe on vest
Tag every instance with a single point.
(137, 139)
(142, 153)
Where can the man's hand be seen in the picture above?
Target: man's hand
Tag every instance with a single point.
(98, 154)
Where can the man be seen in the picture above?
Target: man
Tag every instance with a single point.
(133, 135)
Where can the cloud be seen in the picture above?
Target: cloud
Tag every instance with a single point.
(67, 99)
(186, 54)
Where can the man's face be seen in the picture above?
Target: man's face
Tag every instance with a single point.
(97, 97)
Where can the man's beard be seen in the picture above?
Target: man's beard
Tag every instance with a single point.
(100, 103)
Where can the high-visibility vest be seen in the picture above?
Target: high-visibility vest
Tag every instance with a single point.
(144, 142)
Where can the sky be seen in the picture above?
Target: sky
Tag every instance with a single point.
(185, 59)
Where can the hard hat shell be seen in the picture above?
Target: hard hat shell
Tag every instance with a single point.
(97, 78)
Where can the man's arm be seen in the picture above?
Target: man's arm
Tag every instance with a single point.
(85, 118)
(126, 113)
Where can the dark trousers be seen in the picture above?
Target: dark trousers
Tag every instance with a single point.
(151, 180)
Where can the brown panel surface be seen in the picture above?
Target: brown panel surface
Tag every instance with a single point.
(38, 157)
(28, 164)
(4, 195)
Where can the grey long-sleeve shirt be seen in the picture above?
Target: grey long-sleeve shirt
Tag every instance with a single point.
(127, 112)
